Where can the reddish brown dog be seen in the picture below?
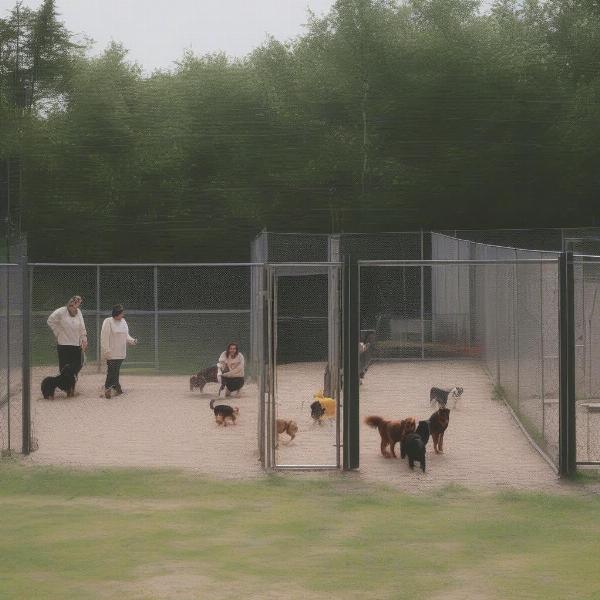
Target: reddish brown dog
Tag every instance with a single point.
(438, 423)
(391, 432)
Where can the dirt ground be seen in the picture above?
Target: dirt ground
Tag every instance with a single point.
(159, 423)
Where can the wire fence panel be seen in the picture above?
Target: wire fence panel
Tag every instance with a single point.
(306, 359)
(182, 316)
(587, 318)
(511, 306)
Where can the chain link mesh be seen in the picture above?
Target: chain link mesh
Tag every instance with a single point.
(182, 316)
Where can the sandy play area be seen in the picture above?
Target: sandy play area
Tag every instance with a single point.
(158, 422)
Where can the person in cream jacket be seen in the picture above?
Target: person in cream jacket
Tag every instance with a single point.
(68, 328)
(114, 339)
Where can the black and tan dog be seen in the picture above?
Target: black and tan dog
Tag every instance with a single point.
(413, 445)
(65, 381)
(200, 379)
(438, 423)
(224, 412)
(391, 432)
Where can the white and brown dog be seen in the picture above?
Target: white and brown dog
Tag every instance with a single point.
(441, 396)
(289, 427)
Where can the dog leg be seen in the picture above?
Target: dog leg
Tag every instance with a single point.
(411, 462)
(441, 443)
(392, 444)
(423, 462)
(383, 449)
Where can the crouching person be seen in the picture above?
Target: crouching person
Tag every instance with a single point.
(231, 369)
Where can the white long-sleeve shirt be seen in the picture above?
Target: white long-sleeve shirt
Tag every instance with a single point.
(235, 365)
(68, 330)
(114, 338)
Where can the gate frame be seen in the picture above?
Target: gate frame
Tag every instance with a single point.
(268, 386)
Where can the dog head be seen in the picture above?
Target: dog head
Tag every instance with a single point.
(316, 410)
(197, 381)
(236, 410)
(444, 414)
(68, 370)
(457, 392)
(408, 425)
(291, 428)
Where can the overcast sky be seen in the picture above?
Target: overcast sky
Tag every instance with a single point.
(157, 32)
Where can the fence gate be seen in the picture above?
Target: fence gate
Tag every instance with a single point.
(302, 346)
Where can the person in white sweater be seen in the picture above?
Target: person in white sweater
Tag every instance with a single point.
(114, 338)
(68, 328)
(231, 369)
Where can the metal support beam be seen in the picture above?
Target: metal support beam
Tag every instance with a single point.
(566, 439)
(25, 367)
(351, 333)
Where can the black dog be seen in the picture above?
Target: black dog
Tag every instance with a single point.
(224, 412)
(65, 382)
(414, 444)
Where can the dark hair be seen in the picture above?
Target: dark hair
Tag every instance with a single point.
(237, 348)
(117, 309)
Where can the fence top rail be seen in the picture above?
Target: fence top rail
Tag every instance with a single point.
(513, 248)
(586, 257)
(9, 265)
(49, 264)
(304, 264)
(457, 262)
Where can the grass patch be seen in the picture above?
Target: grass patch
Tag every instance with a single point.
(162, 534)
(498, 393)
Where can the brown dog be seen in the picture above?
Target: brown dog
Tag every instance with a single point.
(288, 427)
(391, 432)
(438, 423)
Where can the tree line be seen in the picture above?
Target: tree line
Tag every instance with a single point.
(383, 115)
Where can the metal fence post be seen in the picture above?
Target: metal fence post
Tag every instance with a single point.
(25, 366)
(9, 270)
(567, 446)
(422, 298)
(543, 361)
(98, 348)
(516, 345)
(156, 365)
(351, 313)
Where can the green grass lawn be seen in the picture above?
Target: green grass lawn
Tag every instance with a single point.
(120, 534)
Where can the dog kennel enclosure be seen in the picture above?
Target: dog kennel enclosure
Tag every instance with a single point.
(528, 316)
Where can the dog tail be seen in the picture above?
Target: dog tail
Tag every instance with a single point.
(374, 421)
(212, 403)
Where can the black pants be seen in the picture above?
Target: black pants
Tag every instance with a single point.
(233, 384)
(113, 369)
(70, 355)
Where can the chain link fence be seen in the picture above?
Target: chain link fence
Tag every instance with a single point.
(587, 332)
(183, 315)
(506, 313)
